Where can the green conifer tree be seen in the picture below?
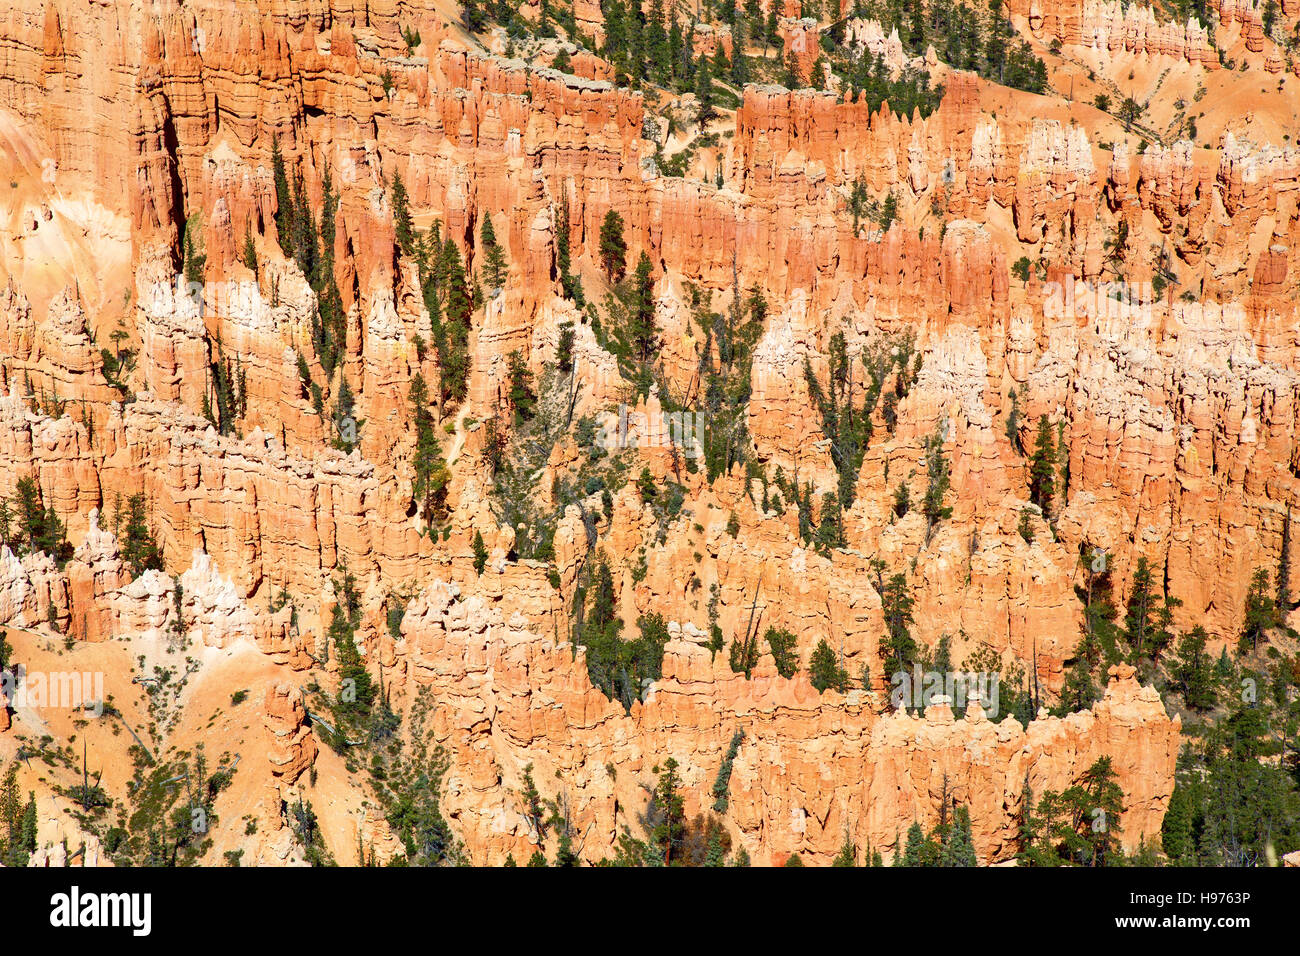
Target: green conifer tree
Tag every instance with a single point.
(613, 248)
(480, 552)
(959, 847)
(403, 231)
(782, 644)
(429, 486)
(824, 670)
(284, 212)
(494, 259)
(1042, 467)
(898, 647)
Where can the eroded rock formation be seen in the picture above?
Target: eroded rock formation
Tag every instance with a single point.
(142, 139)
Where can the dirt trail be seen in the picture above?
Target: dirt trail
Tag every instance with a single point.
(458, 440)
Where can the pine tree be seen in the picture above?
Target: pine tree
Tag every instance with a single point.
(1261, 612)
(1130, 110)
(614, 665)
(356, 689)
(1080, 690)
(1079, 825)
(403, 231)
(740, 73)
(615, 47)
(39, 529)
(793, 78)
(329, 332)
(429, 486)
(937, 471)
(743, 654)
(824, 670)
(782, 644)
(704, 93)
(668, 811)
(474, 14)
(613, 248)
(920, 850)
(679, 54)
(635, 42)
(1042, 467)
(716, 854)
(1013, 423)
(18, 820)
(958, 846)
(564, 852)
(303, 228)
(522, 395)
(480, 552)
(830, 533)
(656, 42)
(457, 305)
(568, 281)
(195, 259)
(1137, 618)
(1097, 647)
(27, 830)
(1192, 670)
(454, 359)
(223, 388)
(347, 427)
(848, 855)
(284, 214)
(898, 647)
(31, 514)
(322, 277)
(137, 545)
(1269, 16)
(888, 211)
(1234, 803)
(250, 252)
(564, 349)
(1100, 808)
(533, 808)
(643, 334)
(494, 260)
(1176, 830)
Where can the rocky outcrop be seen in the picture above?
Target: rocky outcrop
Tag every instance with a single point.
(1110, 27)
(800, 46)
(219, 494)
(709, 41)
(810, 768)
(293, 746)
(869, 36)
